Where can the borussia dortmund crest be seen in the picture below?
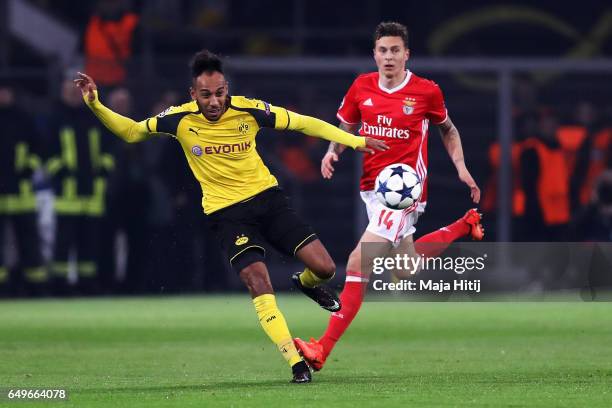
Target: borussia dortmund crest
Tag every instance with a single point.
(243, 128)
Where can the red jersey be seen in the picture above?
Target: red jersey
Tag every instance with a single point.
(399, 116)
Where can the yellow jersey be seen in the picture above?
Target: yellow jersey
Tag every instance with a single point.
(222, 154)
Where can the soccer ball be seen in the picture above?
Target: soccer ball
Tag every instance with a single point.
(398, 186)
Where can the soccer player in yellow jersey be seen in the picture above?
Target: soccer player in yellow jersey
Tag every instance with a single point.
(242, 201)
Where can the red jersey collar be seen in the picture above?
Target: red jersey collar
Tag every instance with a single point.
(397, 88)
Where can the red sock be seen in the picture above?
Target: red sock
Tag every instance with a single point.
(351, 299)
(433, 244)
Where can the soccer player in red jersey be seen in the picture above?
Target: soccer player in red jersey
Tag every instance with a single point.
(397, 106)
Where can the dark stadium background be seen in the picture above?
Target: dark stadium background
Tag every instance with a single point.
(550, 56)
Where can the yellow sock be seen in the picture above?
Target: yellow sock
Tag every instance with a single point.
(275, 326)
(310, 280)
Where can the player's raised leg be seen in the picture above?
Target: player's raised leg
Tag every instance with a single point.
(434, 243)
(256, 278)
(320, 269)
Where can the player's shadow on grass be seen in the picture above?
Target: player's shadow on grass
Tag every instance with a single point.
(229, 385)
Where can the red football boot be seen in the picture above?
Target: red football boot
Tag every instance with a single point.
(473, 218)
(312, 352)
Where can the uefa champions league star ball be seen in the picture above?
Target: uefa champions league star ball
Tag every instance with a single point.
(398, 186)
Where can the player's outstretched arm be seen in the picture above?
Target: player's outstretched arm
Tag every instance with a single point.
(315, 127)
(333, 152)
(126, 128)
(452, 142)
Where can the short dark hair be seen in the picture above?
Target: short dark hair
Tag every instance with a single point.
(391, 29)
(205, 61)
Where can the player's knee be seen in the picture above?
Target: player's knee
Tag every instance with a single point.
(328, 269)
(256, 279)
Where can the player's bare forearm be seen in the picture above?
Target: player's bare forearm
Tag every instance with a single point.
(371, 146)
(452, 142)
(336, 148)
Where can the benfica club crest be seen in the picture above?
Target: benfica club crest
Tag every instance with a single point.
(408, 107)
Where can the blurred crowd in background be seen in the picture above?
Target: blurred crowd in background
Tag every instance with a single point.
(83, 213)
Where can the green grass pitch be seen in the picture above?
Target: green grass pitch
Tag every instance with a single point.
(211, 351)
